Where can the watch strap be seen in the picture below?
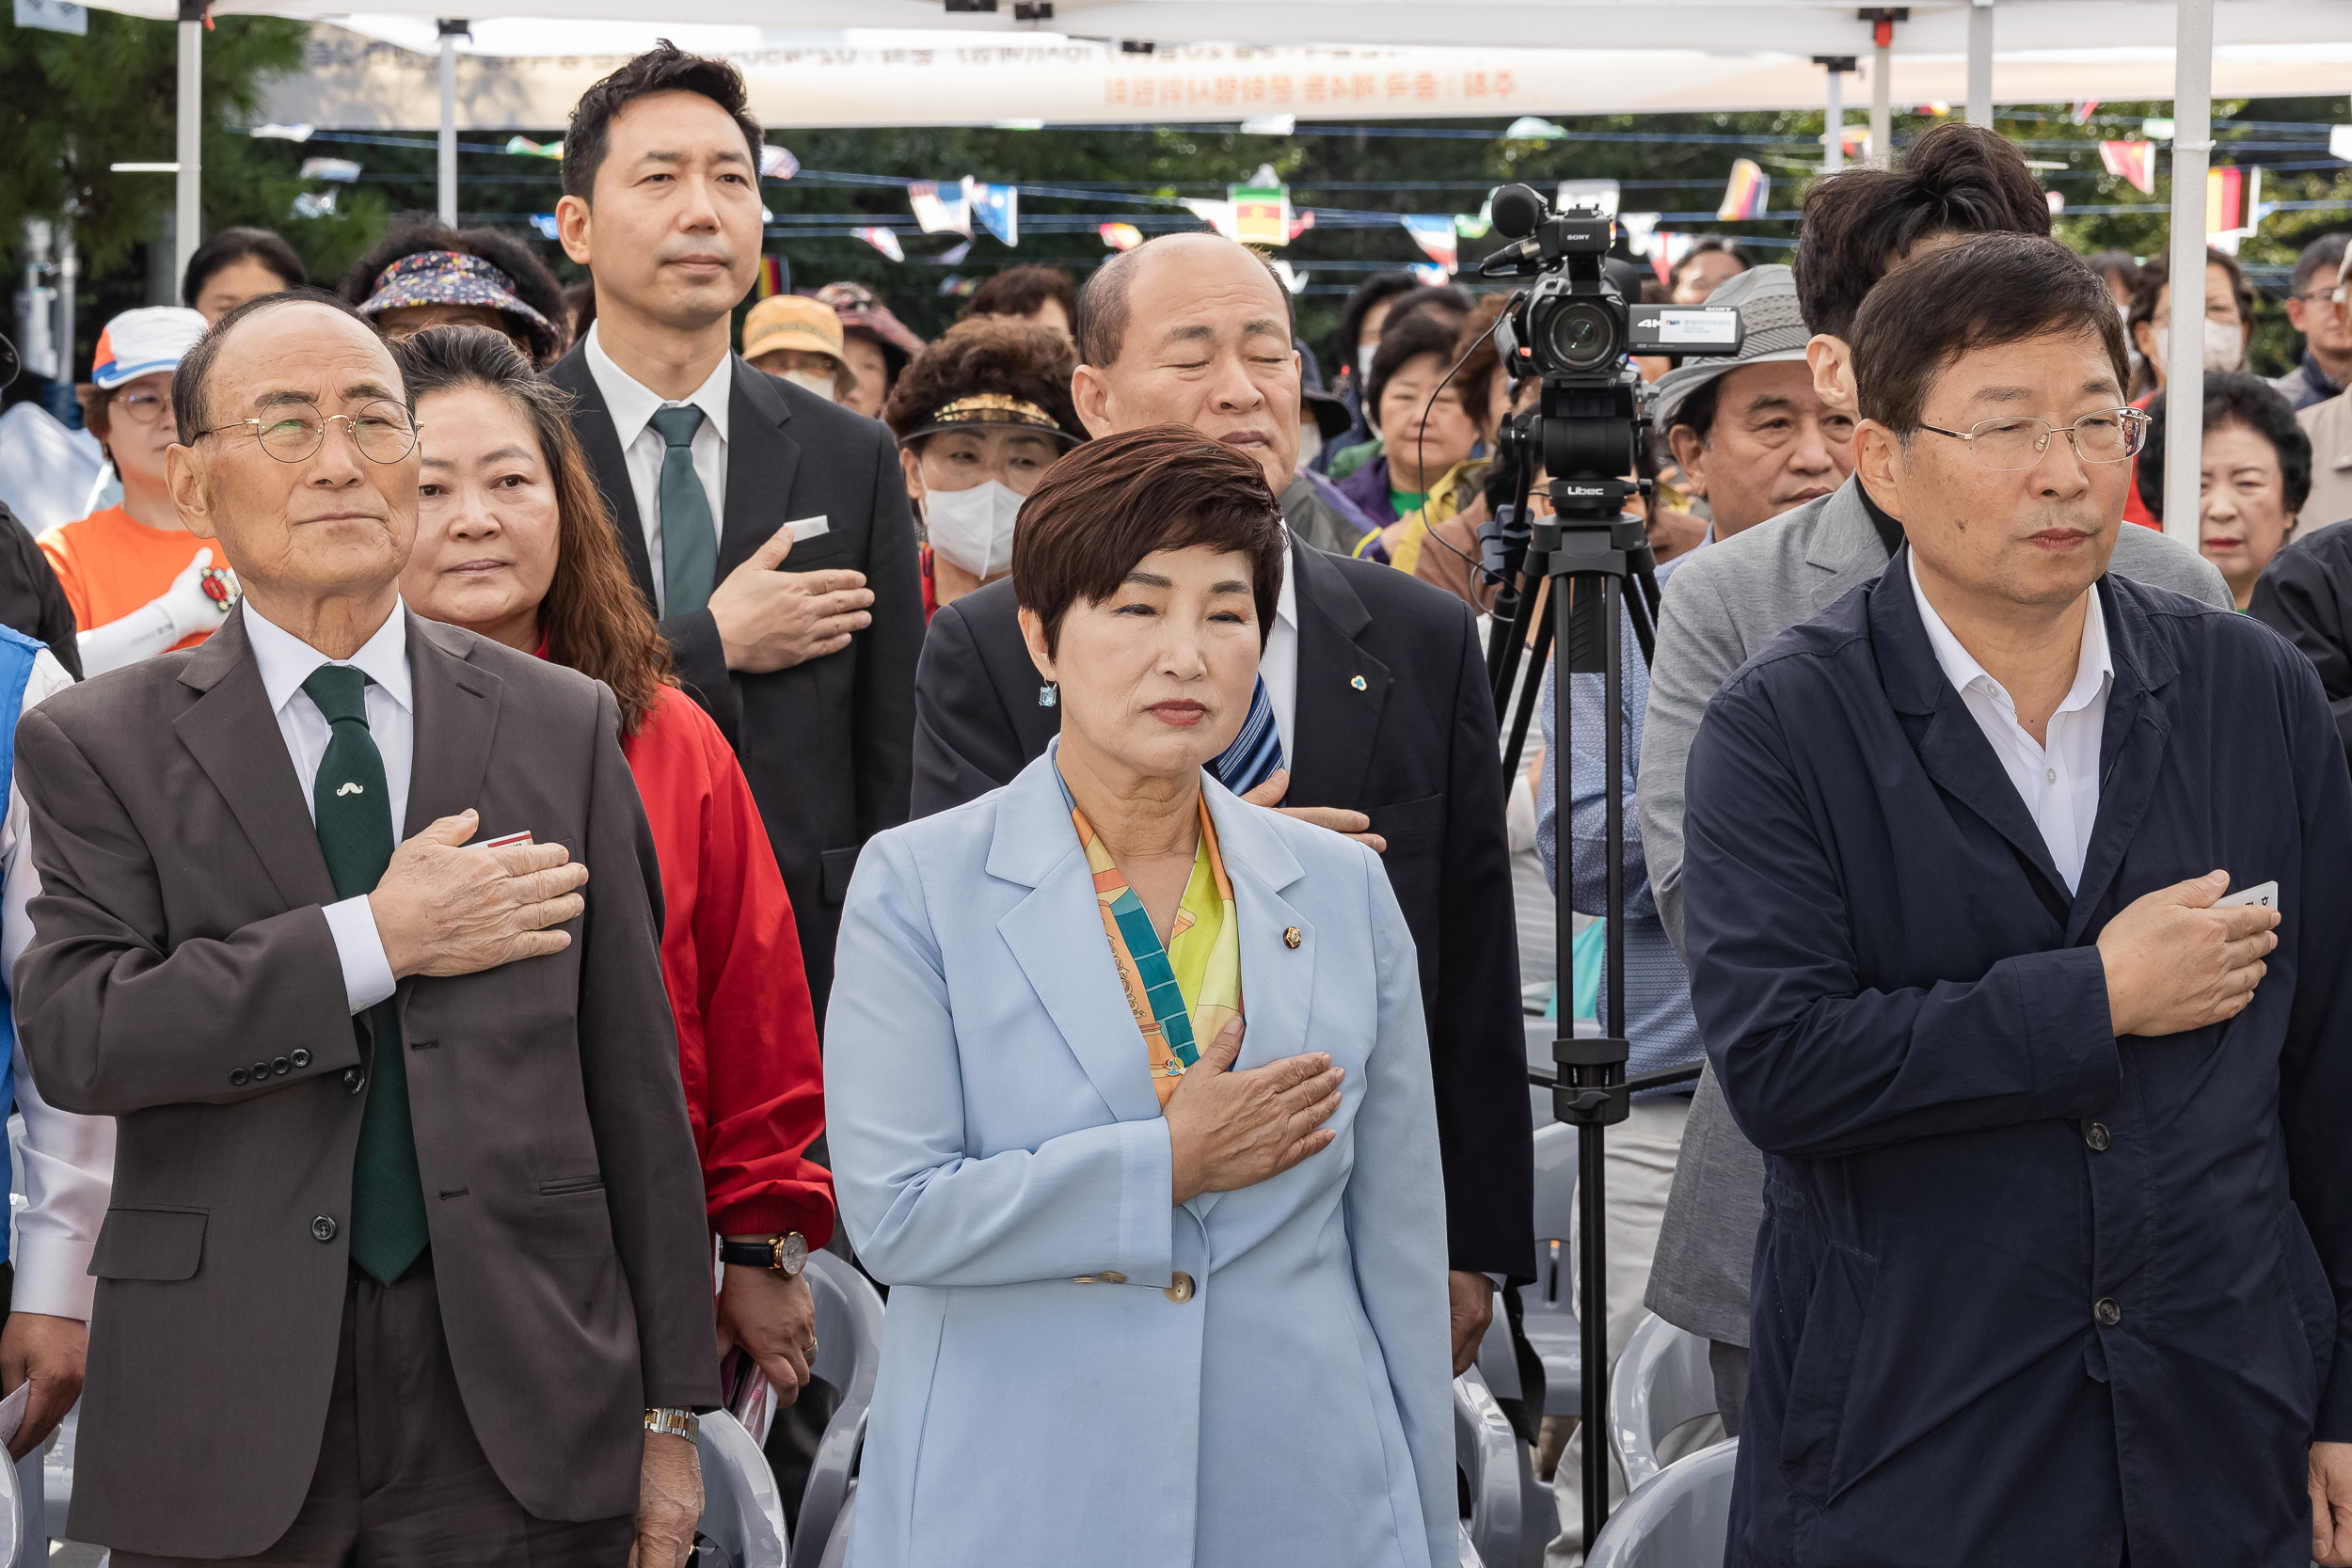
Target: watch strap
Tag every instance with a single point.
(673, 1422)
(748, 1255)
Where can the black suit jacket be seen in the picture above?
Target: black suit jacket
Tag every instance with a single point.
(1413, 747)
(32, 600)
(824, 744)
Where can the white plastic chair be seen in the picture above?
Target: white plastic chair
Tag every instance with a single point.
(1679, 1518)
(742, 1522)
(1663, 1381)
(849, 1354)
(1487, 1453)
(1549, 1306)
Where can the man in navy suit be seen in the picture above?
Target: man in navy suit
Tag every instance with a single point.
(2058, 1235)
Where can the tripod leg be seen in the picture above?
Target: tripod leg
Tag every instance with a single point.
(1529, 694)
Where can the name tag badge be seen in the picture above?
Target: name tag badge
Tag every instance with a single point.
(805, 528)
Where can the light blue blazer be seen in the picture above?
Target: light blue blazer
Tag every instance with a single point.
(995, 1138)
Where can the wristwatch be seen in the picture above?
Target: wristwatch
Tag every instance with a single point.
(786, 1255)
(674, 1423)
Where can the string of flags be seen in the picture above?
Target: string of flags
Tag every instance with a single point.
(1746, 194)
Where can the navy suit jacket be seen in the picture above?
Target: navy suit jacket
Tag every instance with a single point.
(2025, 1292)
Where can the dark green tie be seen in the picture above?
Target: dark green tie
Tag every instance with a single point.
(690, 542)
(355, 824)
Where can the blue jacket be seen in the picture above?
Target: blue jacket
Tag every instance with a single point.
(2024, 1293)
(1002, 1164)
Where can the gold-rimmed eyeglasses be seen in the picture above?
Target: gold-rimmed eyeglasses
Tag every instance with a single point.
(382, 430)
(2005, 446)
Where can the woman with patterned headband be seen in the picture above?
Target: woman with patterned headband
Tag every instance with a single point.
(426, 274)
(980, 416)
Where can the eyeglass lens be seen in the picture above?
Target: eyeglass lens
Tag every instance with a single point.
(2006, 444)
(145, 407)
(381, 430)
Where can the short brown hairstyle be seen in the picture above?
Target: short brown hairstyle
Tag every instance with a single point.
(1109, 504)
(595, 619)
(1994, 290)
(987, 353)
(1479, 358)
(1022, 292)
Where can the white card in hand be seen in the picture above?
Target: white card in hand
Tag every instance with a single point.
(2263, 895)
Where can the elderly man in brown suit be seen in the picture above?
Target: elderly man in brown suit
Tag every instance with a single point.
(406, 1262)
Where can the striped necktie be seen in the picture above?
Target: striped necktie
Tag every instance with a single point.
(1255, 752)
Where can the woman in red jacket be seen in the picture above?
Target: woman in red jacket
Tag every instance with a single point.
(513, 543)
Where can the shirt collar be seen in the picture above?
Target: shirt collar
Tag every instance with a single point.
(286, 661)
(1286, 602)
(632, 403)
(2094, 665)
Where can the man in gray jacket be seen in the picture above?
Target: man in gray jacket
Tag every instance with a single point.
(1722, 604)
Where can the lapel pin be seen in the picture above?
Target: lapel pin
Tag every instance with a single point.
(352, 789)
(1358, 682)
(1290, 937)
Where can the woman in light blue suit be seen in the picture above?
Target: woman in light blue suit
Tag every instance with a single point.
(1167, 1284)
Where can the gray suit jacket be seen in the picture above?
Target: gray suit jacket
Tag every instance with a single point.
(178, 936)
(1720, 608)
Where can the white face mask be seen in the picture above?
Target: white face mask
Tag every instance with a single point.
(974, 528)
(1363, 360)
(2225, 345)
(819, 382)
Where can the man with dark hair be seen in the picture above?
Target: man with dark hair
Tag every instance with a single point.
(1042, 297)
(1735, 596)
(2056, 1260)
(1372, 716)
(2312, 310)
(405, 1260)
(768, 528)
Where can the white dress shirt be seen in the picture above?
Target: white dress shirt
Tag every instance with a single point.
(2060, 781)
(68, 1160)
(1278, 665)
(286, 661)
(632, 406)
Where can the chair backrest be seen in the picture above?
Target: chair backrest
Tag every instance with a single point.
(13, 1545)
(1485, 1450)
(1662, 1380)
(1679, 1518)
(742, 1511)
(849, 1354)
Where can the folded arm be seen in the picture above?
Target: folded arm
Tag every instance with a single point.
(921, 1209)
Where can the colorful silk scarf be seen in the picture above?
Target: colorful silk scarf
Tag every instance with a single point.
(1185, 991)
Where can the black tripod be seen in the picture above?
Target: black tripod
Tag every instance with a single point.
(1588, 549)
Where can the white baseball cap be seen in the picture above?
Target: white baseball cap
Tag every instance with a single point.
(143, 341)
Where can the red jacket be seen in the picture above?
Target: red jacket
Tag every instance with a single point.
(731, 962)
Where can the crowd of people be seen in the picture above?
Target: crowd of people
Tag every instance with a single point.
(538, 810)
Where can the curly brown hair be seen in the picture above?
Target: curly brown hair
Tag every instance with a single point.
(987, 353)
(595, 619)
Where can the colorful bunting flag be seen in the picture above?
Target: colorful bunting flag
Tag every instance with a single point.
(275, 132)
(314, 205)
(1640, 229)
(2056, 201)
(2084, 110)
(1433, 233)
(1666, 248)
(523, 147)
(330, 168)
(1293, 280)
(1746, 193)
(549, 228)
(777, 163)
(1303, 221)
(883, 240)
(771, 280)
(939, 211)
(997, 207)
(953, 256)
(1120, 236)
(1216, 215)
(1531, 128)
(2234, 204)
(1428, 274)
(2339, 142)
(2134, 161)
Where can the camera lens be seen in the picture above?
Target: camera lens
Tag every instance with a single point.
(1582, 336)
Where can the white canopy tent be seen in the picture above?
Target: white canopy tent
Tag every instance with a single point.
(1558, 57)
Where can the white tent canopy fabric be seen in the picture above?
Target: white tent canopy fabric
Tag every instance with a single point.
(1604, 54)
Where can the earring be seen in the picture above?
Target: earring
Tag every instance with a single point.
(1049, 695)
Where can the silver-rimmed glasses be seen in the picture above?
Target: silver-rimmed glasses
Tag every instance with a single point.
(2006, 445)
(382, 430)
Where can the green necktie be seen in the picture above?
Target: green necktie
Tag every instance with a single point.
(690, 542)
(355, 826)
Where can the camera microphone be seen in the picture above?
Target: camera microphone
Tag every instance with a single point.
(1517, 210)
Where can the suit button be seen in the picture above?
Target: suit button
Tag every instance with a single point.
(282, 1066)
(322, 1228)
(354, 1080)
(237, 1076)
(2096, 1135)
(2108, 1312)
(299, 1058)
(1179, 1289)
(261, 1070)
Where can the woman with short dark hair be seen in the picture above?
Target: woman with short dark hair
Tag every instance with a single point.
(426, 274)
(1163, 1291)
(513, 543)
(238, 264)
(2255, 475)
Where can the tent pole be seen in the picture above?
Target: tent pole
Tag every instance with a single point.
(1882, 93)
(2185, 355)
(188, 226)
(1833, 123)
(451, 30)
(1981, 62)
